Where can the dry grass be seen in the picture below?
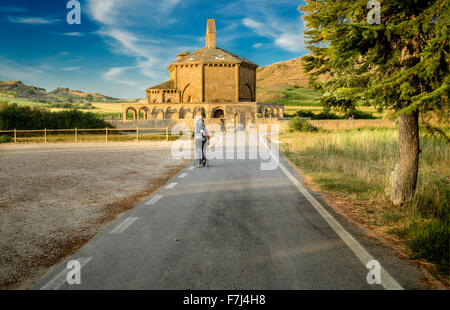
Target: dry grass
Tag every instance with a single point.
(352, 167)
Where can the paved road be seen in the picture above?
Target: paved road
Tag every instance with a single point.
(233, 226)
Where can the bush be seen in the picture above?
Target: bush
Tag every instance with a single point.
(13, 116)
(299, 124)
(327, 115)
(5, 139)
(302, 113)
(358, 115)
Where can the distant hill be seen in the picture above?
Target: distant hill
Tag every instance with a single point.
(271, 80)
(20, 90)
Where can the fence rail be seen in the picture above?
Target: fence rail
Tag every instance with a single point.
(107, 132)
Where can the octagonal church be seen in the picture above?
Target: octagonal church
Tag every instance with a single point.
(211, 82)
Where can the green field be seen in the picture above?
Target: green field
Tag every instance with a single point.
(354, 165)
(110, 110)
(294, 99)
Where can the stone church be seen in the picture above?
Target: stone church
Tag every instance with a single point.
(210, 81)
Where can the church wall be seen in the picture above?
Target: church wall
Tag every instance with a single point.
(220, 83)
(189, 82)
(247, 76)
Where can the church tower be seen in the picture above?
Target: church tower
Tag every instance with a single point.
(211, 34)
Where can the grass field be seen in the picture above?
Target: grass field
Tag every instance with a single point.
(353, 166)
(294, 99)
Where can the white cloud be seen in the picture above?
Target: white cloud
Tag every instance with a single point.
(291, 42)
(257, 45)
(32, 20)
(113, 73)
(284, 37)
(73, 34)
(118, 20)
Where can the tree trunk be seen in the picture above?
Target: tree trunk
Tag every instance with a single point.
(404, 177)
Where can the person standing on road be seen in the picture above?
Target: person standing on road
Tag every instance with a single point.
(200, 137)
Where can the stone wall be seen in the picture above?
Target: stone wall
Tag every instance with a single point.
(247, 83)
(220, 82)
(189, 80)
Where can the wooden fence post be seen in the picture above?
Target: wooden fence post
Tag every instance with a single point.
(45, 135)
(167, 133)
(76, 134)
(137, 134)
(15, 135)
(106, 130)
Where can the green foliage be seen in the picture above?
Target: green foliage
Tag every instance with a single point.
(5, 139)
(430, 240)
(13, 116)
(401, 64)
(356, 162)
(356, 114)
(303, 113)
(299, 96)
(299, 124)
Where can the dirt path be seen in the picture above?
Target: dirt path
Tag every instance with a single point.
(55, 197)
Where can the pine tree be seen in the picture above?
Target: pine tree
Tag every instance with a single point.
(402, 63)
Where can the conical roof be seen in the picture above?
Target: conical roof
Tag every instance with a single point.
(218, 55)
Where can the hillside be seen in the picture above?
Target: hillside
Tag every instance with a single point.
(16, 89)
(273, 80)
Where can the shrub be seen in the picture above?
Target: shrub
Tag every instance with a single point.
(327, 115)
(302, 113)
(13, 116)
(5, 139)
(299, 124)
(356, 114)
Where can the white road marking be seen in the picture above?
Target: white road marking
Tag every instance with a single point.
(183, 175)
(124, 225)
(153, 200)
(60, 278)
(191, 168)
(171, 185)
(387, 280)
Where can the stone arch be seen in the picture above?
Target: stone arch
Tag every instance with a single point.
(185, 113)
(158, 113)
(132, 110)
(199, 111)
(187, 95)
(144, 112)
(246, 92)
(171, 113)
(218, 112)
(260, 112)
(275, 112)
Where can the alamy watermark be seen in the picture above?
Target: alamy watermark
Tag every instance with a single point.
(374, 15)
(74, 15)
(374, 275)
(232, 145)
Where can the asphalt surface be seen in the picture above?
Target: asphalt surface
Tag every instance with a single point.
(230, 226)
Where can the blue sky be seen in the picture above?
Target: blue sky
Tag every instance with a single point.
(122, 47)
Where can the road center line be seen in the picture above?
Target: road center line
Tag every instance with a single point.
(60, 278)
(153, 200)
(124, 225)
(183, 175)
(171, 185)
(387, 280)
